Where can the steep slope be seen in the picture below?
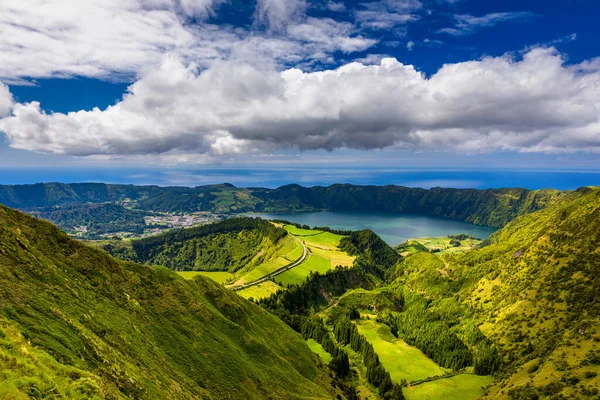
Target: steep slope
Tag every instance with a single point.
(76, 323)
(534, 292)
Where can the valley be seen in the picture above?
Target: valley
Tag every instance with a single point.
(510, 316)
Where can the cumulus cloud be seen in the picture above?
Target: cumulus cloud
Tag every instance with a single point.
(536, 104)
(466, 24)
(6, 100)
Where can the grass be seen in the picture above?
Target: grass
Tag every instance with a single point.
(440, 245)
(76, 323)
(316, 238)
(318, 349)
(398, 358)
(264, 269)
(262, 290)
(292, 250)
(217, 276)
(459, 387)
(289, 252)
(298, 274)
(337, 257)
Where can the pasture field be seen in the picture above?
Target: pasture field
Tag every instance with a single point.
(262, 290)
(319, 350)
(289, 252)
(459, 387)
(398, 358)
(442, 245)
(264, 269)
(317, 238)
(337, 257)
(292, 250)
(217, 276)
(298, 274)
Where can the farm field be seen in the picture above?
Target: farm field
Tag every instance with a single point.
(263, 269)
(321, 239)
(398, 358)
(336, 257)
(217, 276)
(319, 350)
(297, 275)
(459, 387)
(262, 290)
(289, 252)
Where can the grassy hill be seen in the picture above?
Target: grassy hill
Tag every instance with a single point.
(532, 291)
(230, 245)
(76, 323)
(516, 318)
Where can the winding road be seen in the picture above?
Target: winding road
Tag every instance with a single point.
(276, 272)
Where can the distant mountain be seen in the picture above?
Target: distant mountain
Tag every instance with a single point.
(76, 323)
(491, 207)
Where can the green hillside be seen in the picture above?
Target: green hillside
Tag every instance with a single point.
(229, 245)
(76, 323)
(516, 318)
(534, 290)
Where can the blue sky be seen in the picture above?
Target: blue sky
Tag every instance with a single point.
(206, 85)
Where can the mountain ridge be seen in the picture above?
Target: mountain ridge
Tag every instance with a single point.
(491, 207)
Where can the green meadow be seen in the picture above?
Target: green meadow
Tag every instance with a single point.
(262, 290)
(315, 237)
(398, 358)
(217, 276)
(289, 252)
(459, 387)
(319, 350)
(298, 274)
(264, 269)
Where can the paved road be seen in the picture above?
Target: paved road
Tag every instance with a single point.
(276, 272)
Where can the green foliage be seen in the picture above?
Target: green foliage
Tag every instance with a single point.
(228, 245)
(423, 327)
(376, 300)
(346, 333)
(411, 246)
(373, 254)
(76, 323)
(96, 218)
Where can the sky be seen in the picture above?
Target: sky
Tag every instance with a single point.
(464, 93)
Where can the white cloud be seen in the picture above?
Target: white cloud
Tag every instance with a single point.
(535, 104)
(330, 34)
(410, 45)
(200, 8)
(6, 100)
(335, 6)
(120, 39)
(387, 14)
(277, 14)
(467, 24)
